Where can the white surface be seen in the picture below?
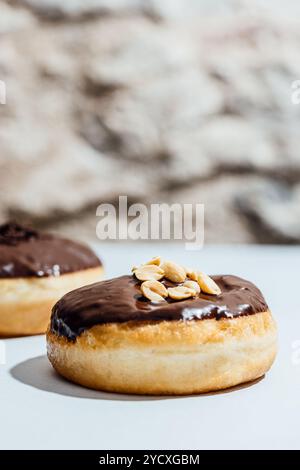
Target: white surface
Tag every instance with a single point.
(39, 410)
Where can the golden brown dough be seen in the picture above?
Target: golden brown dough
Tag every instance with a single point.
(26, 302)
(168, 357)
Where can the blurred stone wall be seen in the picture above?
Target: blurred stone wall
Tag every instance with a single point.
(174, 100)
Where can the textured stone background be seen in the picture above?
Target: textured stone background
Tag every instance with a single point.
(174, 100)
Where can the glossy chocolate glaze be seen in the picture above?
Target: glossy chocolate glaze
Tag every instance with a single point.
(119, 300)
(29, 253)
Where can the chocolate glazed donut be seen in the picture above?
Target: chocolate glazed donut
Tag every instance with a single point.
(36, 269)
(107, 336)
(119, 300)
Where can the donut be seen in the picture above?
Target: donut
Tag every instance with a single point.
(36, 270)
(164, 330)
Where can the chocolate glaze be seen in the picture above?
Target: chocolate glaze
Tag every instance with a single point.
(119, 300)
(29, 253)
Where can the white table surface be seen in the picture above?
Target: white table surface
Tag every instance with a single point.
(39, 410)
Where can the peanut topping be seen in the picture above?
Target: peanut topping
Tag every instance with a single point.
(173, 271)
(191, 274)
(156, 261)
(154, 291)
(208, 285)
(190, 282)
(192, 285)
(149, 272)
(181, 292)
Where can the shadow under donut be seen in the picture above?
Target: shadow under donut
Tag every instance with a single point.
(37, 372)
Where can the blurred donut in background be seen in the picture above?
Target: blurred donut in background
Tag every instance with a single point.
(36, 269)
